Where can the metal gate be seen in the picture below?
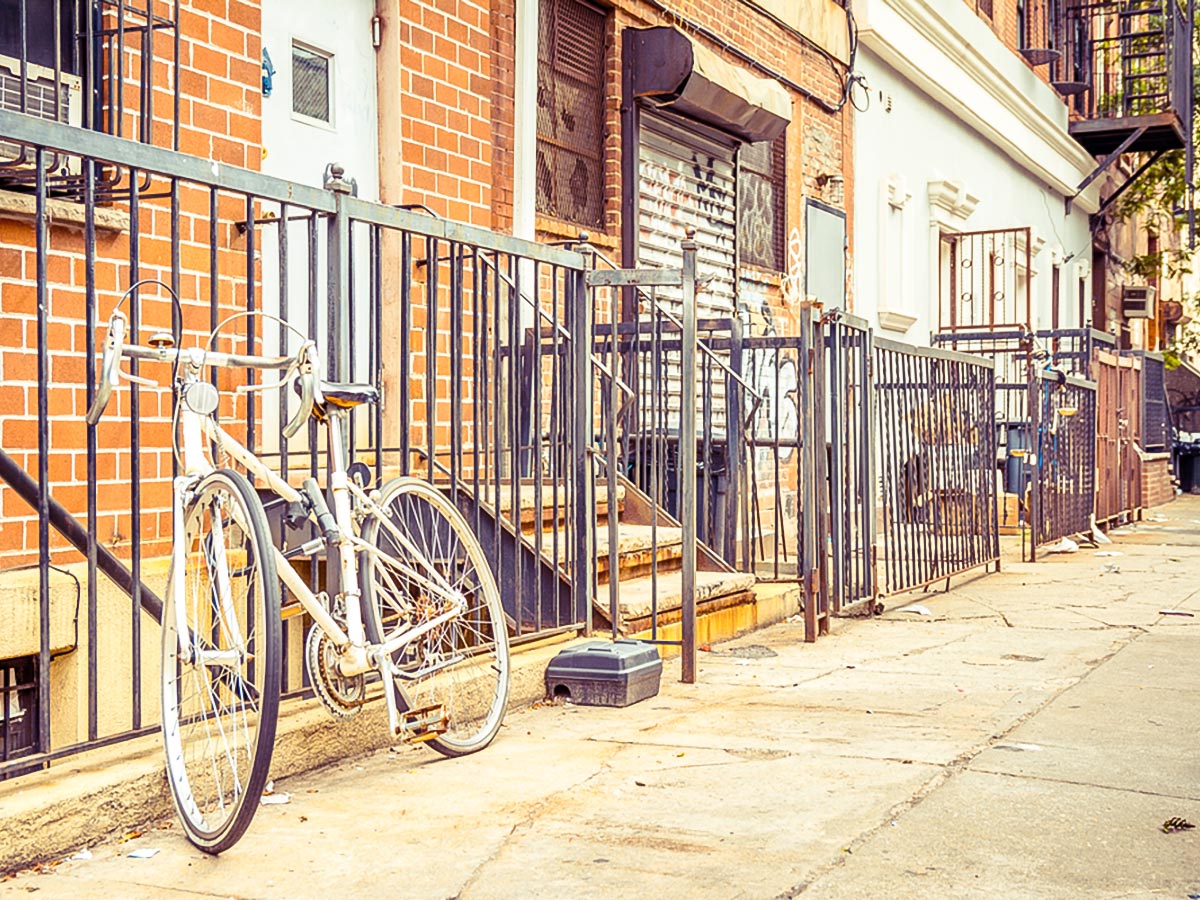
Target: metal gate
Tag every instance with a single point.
(937, 452)
(1118, 492)
(1065, 478)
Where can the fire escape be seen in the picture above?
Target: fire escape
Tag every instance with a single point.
(1124, 68)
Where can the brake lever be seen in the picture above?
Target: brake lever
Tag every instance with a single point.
(110, 368)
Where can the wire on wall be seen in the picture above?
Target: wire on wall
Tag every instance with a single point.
(845, 74)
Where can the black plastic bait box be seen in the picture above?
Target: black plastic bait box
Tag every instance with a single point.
(603, 673)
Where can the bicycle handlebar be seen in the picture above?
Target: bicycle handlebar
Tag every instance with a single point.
(303, 361)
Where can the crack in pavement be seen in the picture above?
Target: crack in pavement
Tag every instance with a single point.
(956, 766)
(1026, 776)
(524, 825)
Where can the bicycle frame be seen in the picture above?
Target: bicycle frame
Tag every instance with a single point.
(198, 428)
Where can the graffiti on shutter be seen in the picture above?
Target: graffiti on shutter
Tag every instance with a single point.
(687, 181)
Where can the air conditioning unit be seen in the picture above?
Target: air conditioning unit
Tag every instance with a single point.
(1137, 301)
(41, 92)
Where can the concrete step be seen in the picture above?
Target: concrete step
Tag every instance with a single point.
(638, 546)
(636, 600)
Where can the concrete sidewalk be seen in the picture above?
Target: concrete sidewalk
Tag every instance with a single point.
(1026, 739)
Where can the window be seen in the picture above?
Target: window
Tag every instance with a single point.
(570, 111)
(311, 83)
(984, 8)
(18, 707)
(1023, 41)
(94, 84)
(761, 211)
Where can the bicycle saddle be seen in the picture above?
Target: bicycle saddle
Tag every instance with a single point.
(345, 395)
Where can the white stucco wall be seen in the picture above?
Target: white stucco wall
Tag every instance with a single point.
(1003, 160)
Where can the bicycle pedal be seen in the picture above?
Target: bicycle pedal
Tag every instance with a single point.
(424, 724)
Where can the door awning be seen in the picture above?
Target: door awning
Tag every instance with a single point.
(674, 73)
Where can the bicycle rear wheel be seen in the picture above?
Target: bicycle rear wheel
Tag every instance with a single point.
(424, 551)
(220, 678)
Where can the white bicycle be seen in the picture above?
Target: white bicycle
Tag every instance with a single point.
(417, 601)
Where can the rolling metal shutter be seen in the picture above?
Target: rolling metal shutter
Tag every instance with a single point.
(686, 180)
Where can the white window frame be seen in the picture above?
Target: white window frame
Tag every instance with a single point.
(331, 125)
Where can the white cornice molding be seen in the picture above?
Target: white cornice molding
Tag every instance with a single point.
(894, 320)
(950, 204)
(896, 191)
(943, 49)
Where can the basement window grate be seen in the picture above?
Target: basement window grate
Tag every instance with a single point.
(18, 707)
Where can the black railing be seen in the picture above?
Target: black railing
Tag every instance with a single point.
(469, 333)
(95, 64)
(1125, 58)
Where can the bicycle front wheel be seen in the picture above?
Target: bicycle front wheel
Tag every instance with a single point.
(423, 553)
(220, 673)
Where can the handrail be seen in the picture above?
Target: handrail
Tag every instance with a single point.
(558, 328)
(758, 398)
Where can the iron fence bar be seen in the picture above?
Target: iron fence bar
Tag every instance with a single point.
(535, 434)
(868, 450)
(135, 306)
(579, 303)
(43, 462)
(687, 462)
(92, 549)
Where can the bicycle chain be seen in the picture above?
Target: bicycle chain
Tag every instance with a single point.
(342, 696)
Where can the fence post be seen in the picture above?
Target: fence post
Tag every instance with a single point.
(338, 261)
(870, 422)
(735, 438)
(583, 496)
(1035, 442)
(687, 461)
(807, 514)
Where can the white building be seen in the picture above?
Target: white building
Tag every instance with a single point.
(963, 165)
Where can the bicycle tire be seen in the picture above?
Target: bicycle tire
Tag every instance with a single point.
(219, 714)
(439, 547)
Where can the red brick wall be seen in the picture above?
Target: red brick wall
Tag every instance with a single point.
(1157, 488)
(220, 119)
(441, 79)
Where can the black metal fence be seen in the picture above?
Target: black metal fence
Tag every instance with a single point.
(937, 464)
(469, 333)
(1065, 460)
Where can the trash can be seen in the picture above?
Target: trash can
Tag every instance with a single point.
(1018, 469)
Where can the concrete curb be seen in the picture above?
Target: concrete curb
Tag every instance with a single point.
(86, 799)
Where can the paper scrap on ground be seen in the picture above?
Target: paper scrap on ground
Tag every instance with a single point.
(1066, 545)
(144, 853)
(275, 799)
(85, 853)
(918, 609)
